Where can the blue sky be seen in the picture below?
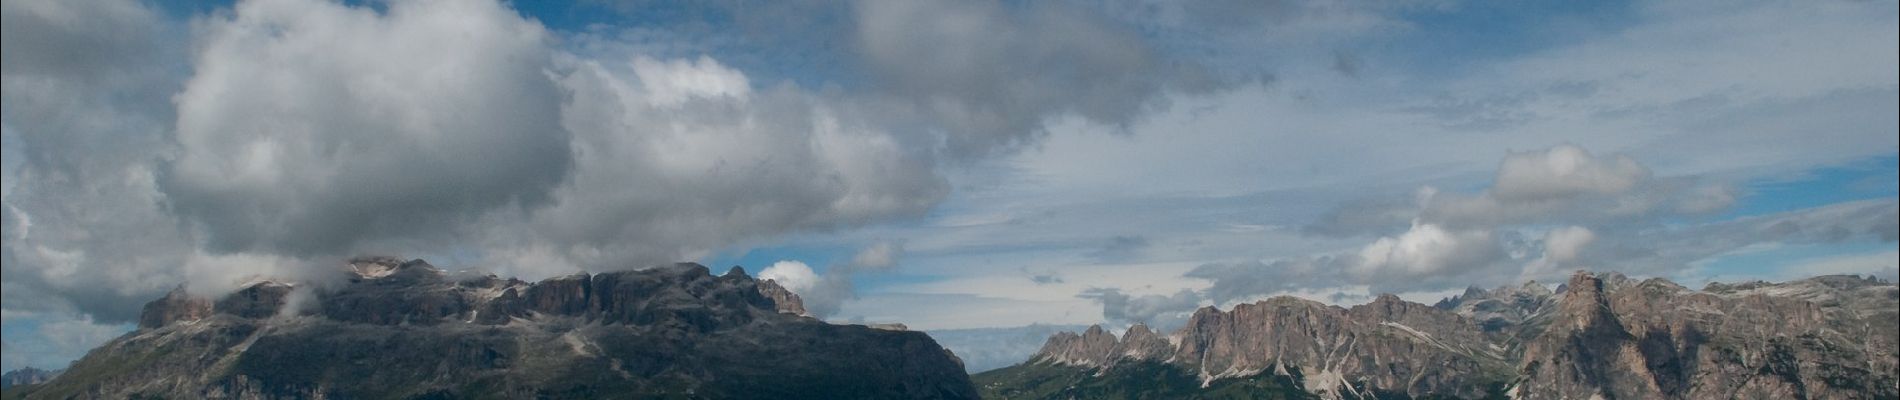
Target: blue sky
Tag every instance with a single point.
(944, 165)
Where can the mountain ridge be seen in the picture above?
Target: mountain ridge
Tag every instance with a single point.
(1596, 336)
(405, 329)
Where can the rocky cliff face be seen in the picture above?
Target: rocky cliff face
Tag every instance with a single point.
(1388, 345)
(404, 329)
(1826, 337)
(1597, 336)
(787, 301)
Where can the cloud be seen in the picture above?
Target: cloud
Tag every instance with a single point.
(1567, 183)
(294, 133)
(1163, 312)
(1426, 250)
(1120, 249)
(1607, 214)
(86, 88)
(824, 294)
(882, 255)
(990, 73)
(1564, 171)
(1667, 251)
(793, 275)
(1566, 243)
(984, 349)
(1884, 265)
(312, 127)
(705, 161)
(1245, 279)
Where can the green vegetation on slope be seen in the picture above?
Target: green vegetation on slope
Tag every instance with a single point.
(1148, 380)
(1143, 380)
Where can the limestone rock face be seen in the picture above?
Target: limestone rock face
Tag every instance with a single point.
(1825, 337)
(1504, 309)
(1596, 336)
(785, 300)
(176, 306)
(405, 329)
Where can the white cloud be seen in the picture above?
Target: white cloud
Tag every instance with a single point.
(791, 274)
(1565, 171)
(882, 255)
(1566, 243)
(1427, 249)
(669, 83)
(673, 173)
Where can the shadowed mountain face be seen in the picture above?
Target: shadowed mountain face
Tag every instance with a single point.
(409, 330)
(1597, 336)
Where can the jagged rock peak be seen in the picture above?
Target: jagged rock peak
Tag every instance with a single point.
(1534, 288)
(1601, 335)
(783, 299)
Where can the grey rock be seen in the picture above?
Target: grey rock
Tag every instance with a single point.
(1599, 335)
(786, 301)
(409, 330)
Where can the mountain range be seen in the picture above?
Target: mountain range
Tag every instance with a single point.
(407, 330)
(1597, 336)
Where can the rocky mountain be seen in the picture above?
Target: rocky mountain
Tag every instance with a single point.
(984, 349)
(1597, 336)
(404, 329)
(26, 376)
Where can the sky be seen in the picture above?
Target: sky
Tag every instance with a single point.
(953, 166)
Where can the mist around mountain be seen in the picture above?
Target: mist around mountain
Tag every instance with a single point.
(984, 349)
(407, 330)
(1597, 336)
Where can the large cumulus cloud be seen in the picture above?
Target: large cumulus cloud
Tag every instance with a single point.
(311, 127)
(85, 114)
(679, 157)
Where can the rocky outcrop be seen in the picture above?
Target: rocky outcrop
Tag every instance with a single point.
(1334, 351)
(1504, 309)
(786, 301)
(1826, 337)
(177, 305)
(409, 330)
(1597, 336)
